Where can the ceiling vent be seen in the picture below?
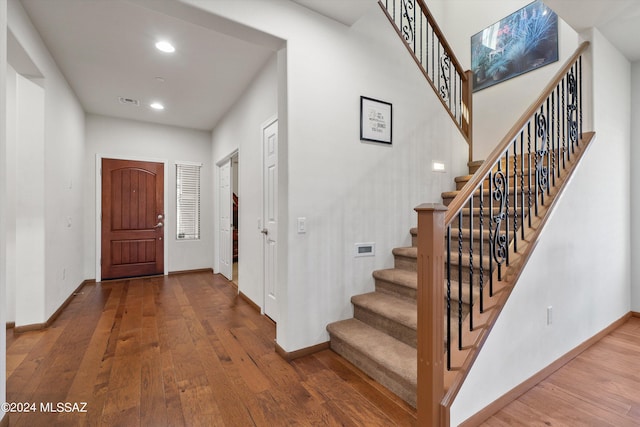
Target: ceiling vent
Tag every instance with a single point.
(129, 101)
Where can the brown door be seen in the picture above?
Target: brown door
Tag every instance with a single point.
(132, 218)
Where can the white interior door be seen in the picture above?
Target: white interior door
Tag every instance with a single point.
(270, 207)
(225, 206)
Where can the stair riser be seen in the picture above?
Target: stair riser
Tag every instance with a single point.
(402, 388)
(395, 289)
(405, 263)
(388, 326)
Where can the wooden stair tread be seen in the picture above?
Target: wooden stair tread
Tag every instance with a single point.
(386, 351)
(407, 252)
(398, 309)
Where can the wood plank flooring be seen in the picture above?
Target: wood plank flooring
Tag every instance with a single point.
(182, 350)
(600, 387)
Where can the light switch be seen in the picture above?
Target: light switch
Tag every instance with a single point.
(302, 225)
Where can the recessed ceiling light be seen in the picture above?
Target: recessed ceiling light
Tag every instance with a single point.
(165, 46)
(156, 106)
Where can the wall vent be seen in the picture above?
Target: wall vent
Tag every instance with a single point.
(129, 101)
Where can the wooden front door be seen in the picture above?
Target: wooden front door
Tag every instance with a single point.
(132, 218)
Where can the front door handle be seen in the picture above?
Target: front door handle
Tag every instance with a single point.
(159, 224)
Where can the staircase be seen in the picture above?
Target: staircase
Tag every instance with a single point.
(380, 339)
(490, 229)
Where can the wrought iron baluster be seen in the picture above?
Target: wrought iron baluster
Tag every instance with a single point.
(529, 172)
(506, 198)
(499, 247)
(536, 135)
(580, 82)
(481, 245)
(558, 121)
(490, 233)
(553, 140)
(515, 195)
(542, 171)
(444, 77)
(406, 22)
(460, 280)
(471, 219)
(522, 183)
(564, 130)
(426, 47)
(433, 51)
(572, 123)
(548, 153)
(449, 298)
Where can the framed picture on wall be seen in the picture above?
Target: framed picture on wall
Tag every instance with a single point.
(375, 120)
(523, 41)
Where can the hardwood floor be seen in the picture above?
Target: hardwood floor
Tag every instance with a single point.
(182, 350)
(600, 387)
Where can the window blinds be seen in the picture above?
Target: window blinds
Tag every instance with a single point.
(188, 201)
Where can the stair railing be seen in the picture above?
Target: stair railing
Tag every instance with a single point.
(422, 36)
(465, 250)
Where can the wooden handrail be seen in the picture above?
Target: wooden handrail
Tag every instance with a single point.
(465, 109)
(441, 37)
(458, 202)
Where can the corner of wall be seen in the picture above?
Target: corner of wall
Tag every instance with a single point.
(3, 188)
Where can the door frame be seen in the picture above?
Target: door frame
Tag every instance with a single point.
(98, 222)
(218, 232)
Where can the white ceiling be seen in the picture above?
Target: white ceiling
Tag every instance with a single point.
(105, 49)
(617, 20)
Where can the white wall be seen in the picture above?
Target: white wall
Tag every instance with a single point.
(240, 129)
(63, 155)
(349, 191)
(635, 184)
(3, 198)
(9, 197)
(580, 267)
(497, 108)
(30, 203)
(111, 137)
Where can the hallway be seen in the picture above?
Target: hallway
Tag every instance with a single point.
(182, 350)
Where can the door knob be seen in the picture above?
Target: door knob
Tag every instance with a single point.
(264, 231)
(159, 224)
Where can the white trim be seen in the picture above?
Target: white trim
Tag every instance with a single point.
(217, 232)
(226, 158)
(99, 158)
(188, 163)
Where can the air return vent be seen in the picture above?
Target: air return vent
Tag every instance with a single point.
(129, 101)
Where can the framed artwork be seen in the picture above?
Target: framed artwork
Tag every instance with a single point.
(375, 120)
(523, 41)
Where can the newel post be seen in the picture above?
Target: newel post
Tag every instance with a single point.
(431, 248)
